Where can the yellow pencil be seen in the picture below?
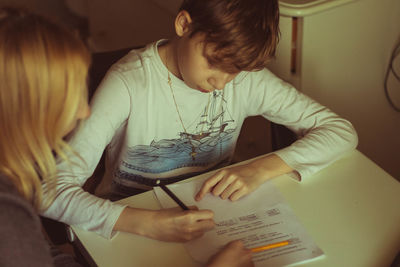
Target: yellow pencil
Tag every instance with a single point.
(270, 246)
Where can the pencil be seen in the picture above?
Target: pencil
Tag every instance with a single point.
(172, 195)
(270, 246)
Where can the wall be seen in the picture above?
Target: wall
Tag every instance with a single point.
(56, 9)
(345, 55)
(342, 57)
(120, 24)
(126, 23)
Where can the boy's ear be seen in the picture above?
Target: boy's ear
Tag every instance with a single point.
(182, 23)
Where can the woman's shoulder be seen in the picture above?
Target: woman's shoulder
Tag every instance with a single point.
(6, 185)
(20, 229)
(12, 203)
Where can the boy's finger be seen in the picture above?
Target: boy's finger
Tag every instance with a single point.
(222, 185)
(237, 195)
(205, 225)
(203, 215)
(228, 192)
(206, 188)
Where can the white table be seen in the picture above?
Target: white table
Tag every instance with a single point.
(351, 209)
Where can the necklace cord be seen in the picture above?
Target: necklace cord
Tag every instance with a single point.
(193, 152)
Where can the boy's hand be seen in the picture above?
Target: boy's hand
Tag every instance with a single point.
(234, 254)
(232, 183)
(238, 181)
(175, 225)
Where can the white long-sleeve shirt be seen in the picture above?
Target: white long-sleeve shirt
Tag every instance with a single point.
(134, 115)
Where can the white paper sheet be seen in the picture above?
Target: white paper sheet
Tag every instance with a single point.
(260, 218)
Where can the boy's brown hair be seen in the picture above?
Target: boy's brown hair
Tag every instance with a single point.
(243, 33)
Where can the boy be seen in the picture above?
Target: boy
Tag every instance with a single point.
(174, 109)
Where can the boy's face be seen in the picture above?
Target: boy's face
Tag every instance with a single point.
(194, 67)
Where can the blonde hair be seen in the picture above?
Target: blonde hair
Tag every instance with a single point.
(43, 70)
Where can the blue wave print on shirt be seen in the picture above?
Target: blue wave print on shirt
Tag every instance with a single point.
(209, 145)
(167, 155)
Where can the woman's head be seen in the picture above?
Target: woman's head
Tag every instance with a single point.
(43, 70)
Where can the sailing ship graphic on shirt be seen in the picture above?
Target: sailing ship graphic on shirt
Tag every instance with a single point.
(210, 128)
(209, 145)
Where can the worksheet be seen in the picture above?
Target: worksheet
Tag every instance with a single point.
(259, 219)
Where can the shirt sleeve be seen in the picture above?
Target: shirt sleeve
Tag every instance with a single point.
(72, 205)
(323, 136)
